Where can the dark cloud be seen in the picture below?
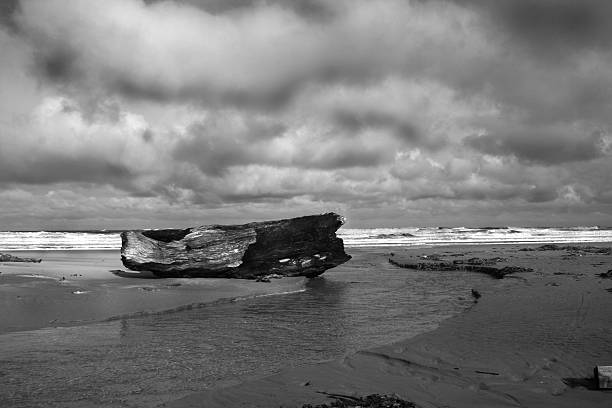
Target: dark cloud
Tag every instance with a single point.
(548, 59)
(605, 198)
(212, 155)
(358, 121)
(316, 9)
(49, 169)
(57, 64)
(485, 192)
(551, 27)
(540, 194)
(505, 192)
(260, 57)
(265, 98)
(148, 135)
(8, 9)
(261, 197)
(220, 142)
(223, 141)
(344, 154)
(544, 146)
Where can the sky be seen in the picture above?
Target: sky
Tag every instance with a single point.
(142, 114)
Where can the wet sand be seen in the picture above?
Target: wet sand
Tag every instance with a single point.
(533, 344)
(70, 288)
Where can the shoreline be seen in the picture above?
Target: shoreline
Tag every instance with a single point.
(533, 345)
(373, 246)
(68, 289)
(147, 360)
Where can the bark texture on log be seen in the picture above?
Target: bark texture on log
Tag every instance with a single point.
(304, 246)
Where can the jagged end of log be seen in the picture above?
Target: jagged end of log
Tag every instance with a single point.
(304, 246)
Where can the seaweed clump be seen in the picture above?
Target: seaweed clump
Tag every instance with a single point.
(370, 401)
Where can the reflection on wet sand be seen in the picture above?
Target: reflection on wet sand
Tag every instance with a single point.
(142, 359)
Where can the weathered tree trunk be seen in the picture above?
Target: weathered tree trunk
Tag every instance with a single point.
(304, 246)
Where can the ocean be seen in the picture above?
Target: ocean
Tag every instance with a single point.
(373, 237)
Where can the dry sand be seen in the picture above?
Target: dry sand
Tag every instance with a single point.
(522, 347)
(76, 287)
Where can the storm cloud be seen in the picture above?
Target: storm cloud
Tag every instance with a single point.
(259, 56)
(551, 26)
(545, 146)
(394, 112)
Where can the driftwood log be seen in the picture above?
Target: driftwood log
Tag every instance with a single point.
(304, 246)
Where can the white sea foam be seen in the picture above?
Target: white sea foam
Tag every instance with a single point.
(353, 237)
(70, 241)
(475, 236)
(32, 275)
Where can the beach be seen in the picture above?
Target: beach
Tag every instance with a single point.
(75, 334)
(532, 345)
(70, 288)
(104, 340)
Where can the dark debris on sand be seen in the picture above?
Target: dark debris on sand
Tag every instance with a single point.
(371, 401)
(12, 258)
(480, 265)
(571, 248)
(605, 275)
